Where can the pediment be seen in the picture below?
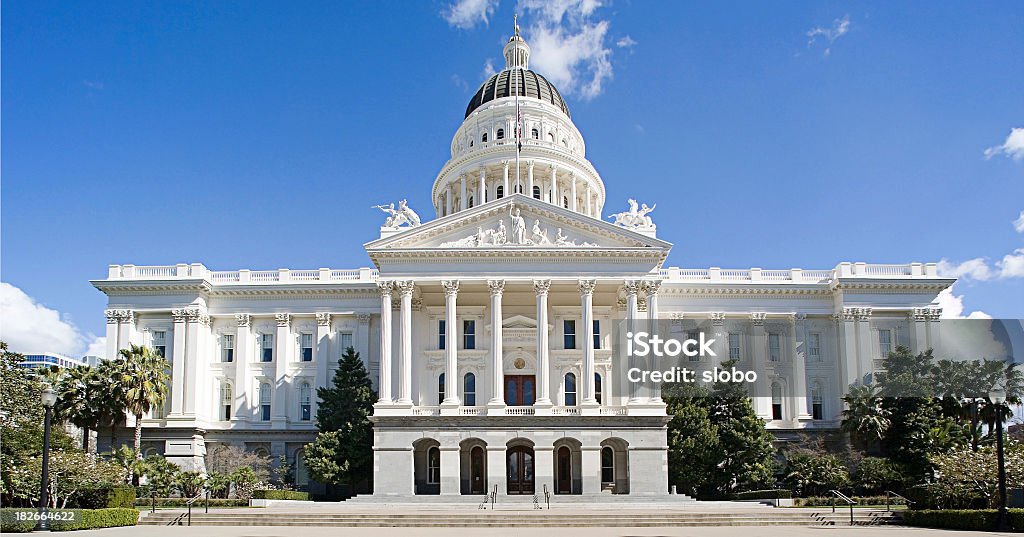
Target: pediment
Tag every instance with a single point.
(519, 321)
(516, 222)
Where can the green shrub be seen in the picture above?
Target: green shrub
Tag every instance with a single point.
(817, 501)
(85, 519)
(952, 519)
(279, 495)
(771, 494)
(106, 497)
(180, 502)
(9, 524)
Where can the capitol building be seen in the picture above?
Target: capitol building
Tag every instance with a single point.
(487, 330)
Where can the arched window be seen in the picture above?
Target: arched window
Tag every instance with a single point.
(433, 465)
(535, 134)
(536, 192)
(469, 389)
(551, 137)
(570, 389)
(484, 138)
(225, 400)
(776, 401)
(471, 202)
(305, 402)
(565, 202)
(440, 388)
(597, 387)
(501, 134)
(471, 143)
(607, 465)
(565, 143)
(519, 188)
(265, 401)
(817, 408)
(501, 192)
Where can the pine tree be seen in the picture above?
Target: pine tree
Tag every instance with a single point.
(343, 451)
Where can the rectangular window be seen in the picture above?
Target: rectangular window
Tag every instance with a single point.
(346, 341)
(816, 403)
(227, 348)
(569, 334)
(469, 335)
(441, 335)
(306, 347)
(265, 412)
(814, 347)
(160, 342)
(774, 348)
(694, 335)
(597, 334)
(267, 351)
(734, 346)
(884, 343)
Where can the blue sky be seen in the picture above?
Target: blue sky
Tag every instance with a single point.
(258, 134)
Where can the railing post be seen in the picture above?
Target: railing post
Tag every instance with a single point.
(207, 501)
(153, 497)
(190, 513)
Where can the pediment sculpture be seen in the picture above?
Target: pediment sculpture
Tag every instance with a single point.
(635, 218)
(402, 216)
(499, 235)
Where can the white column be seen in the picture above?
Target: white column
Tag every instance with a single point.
(126, 329)
(587, 305)
(529, 179)
(865, 344)
(282, 357)
(543, 367)
(450, 468)
(323, 349)
(759, 355)
(497, 287)
(192, 359)
(798, 342)
(361, 340)
(572, 191)
(451, 367)
(405, 289)
(112, 327)
(505, 180)
(178, 362)
(241, 388)
(481, 192)
(590, 201)
(554, 185)
(632, 287)
(384, 389)
(464, 203)
(652, 288)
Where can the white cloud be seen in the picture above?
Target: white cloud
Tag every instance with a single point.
(570, 44)
(839, 28)
(1018, 224)
(1013, 148)
(625, 42)
(466, 14)
(92, 84)
(98, 347)
(975, 269)
(460, 83)
(488, 69)
(953, 306)
(1012, 264)
(29, 326)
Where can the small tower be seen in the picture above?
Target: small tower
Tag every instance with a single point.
(517, 52)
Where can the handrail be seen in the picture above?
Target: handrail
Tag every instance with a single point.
(547, 496)
(494, 496)
(889, 493)
(191, 501)
(850, 502)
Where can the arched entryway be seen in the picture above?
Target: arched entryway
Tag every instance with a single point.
(615, 466)
(473, 466)
(520, 468)
(568, 459)
(426, 454)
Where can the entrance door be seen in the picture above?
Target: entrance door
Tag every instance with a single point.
(520, 390)
(476, 471)
(563, 484)
(520, 470)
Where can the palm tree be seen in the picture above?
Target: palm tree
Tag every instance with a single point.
(77, 401)
(107, 395)
(865, 418)
(143, 377)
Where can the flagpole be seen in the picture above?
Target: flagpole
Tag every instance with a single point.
(515, 73)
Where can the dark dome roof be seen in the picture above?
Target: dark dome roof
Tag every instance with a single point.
(528, 84)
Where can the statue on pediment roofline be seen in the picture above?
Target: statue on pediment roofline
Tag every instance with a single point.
(403, 215)
(636, 217)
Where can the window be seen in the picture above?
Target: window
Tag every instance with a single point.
(565, 202)
(597, 334)
(484, 138)
(469, 335)
(441, 334)
(816, 401)
(305, 402)
(565, 143)
(536, 192)
(440, 388)
(501, 134)
(267, 342)
(570, 389)
(346, 341)
(569, 334)
(534, 134)
(471, 202)
(774, 351)
(695, 335)
(551, 137)
(597, 387)
(225, 401)
(884, 343)
(306, 347)
(469, 390)
(160, 342)
(607, 465)
(500, 192)
(433, 466)
(814, 347)
(776, 401)
(734, 346)
(227, 348)
(265, 401)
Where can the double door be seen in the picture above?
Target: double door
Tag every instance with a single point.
(520, 390)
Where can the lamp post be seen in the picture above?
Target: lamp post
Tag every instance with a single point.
(49, 398)
(998, 397)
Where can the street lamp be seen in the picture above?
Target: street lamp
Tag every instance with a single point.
(998, 397)
(49, 398)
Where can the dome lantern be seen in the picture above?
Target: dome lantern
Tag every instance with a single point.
(517, 52)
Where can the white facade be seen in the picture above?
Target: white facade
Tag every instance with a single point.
(510, 296)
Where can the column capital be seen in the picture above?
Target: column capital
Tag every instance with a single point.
(179, 315)
(405, 287)
(385, 286)
(530, 164)
(651, 287)
(363, 318)
(505, 163)
(758, 318)
(283, 319)
(451, 287)
(243, 320)
(323, 318)
(542, 286)
(717, 318)
(586, 287)
(497, 287)
(632, 287)
(798, 317)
